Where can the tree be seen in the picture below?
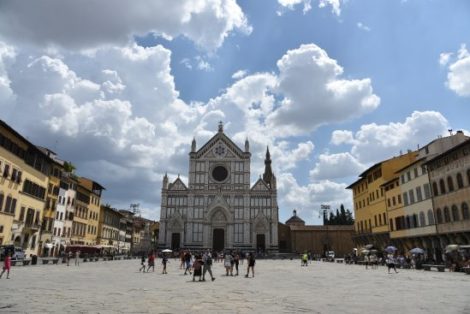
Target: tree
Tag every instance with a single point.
(342, 217)
(69, 167)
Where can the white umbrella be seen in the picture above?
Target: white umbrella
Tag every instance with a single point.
(167, 251)
(417, 250)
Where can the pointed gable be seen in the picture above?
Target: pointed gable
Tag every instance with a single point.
(260, 185)
(178, 185)
(219, 201)
(208, 150)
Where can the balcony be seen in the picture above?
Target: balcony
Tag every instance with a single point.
(34, 226)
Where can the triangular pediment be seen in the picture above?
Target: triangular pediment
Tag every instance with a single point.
(215, 147)
(260, 185)
(178, 185)
(218, 201)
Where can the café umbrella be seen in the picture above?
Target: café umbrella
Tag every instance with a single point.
(390, 249)
(452, 247)
(417, 250)
(167, 251)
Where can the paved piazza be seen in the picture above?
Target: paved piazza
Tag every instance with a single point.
(279, 287)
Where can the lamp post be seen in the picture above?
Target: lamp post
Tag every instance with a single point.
(324, 209)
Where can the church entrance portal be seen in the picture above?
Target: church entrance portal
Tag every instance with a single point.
(260, 242)
(218, 240)
(175, 241)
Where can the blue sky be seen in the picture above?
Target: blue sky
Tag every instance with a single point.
(331, 86)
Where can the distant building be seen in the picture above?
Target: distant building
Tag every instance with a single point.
(295, 236)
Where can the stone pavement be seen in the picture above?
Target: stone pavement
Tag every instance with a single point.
(280, 286)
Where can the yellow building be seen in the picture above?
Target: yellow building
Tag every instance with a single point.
(370, 204)
(80, 217)
(24, 180)
(94, 190)
(49, 213)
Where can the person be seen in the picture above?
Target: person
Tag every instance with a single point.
(251, 264)
(304, 259)
(366, 260)
(207, 259)
(197, 267)
(164, 262)
(77, 258)
(373, 261)
(236, 261)
(391, 263)
(151, 262)
(187, 260)
(228, 260)
(6, 265)
(142, 263)
(69, 257)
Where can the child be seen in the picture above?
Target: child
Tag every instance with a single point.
(6, 265)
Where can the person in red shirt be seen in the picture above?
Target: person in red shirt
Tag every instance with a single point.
(6, 266)
(151, 262)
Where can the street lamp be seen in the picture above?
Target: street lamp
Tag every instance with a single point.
(324, 209)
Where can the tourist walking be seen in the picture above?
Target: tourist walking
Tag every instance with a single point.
(228, 262)
(187, 261)
(151, 262)
(366, 260)
(207, 259)
(236, 261)
(251, 264)
(373, 261)
(197, 268)
(69, 257)
(304, 259)
(6, 265)
(142, 264)
(164, 262)
(391, 263)
(77, 258)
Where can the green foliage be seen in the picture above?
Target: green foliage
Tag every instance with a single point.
(342, 217)
(69, 167)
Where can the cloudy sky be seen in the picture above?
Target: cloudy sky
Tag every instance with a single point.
(120, 88)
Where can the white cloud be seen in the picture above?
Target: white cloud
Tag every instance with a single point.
(203, 65)
(336, 166)
(363, 27)
(444, 58)
(291, 4)
(315, 93)
(335, 5)
(239, 74)
(458, 77)
(187, 63)
(375, 142)
(70, 25)
(339, 137)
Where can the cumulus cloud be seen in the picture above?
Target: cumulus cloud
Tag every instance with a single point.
(239, 74)
(375, 142)
(291, 4)
(363, 27)
(78, 24)
(458, 77)
(444, 58)
(315, 93)
(336, 166)
(335, 5)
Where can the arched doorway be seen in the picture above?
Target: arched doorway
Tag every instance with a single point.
(218, 239)
(175, 240)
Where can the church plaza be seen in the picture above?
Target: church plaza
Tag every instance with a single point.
(279, 286)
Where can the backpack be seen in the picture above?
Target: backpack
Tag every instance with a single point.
(209, 260)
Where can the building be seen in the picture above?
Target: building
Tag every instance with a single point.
(109, 228)
(449, 176)
(412, 224)
(94, 190)
(65, 210)
(370, 204)
(295, 236)
(24, 179)
(143, 237)
(218, 209)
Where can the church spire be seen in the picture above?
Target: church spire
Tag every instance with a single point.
(247, 146)
(268, 173)
(221, 126)
(193, 146)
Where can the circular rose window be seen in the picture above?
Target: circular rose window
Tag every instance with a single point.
(219, 173)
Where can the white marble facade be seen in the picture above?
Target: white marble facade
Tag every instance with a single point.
(218, 208)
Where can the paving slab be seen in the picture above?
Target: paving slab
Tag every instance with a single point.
(279, 286)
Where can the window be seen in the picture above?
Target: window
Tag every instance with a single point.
(434, 189)
(455, 213)
(468, 176)
(430, 217)
(465, 213)
(416, 172)
(238, 233)
(427, 192)
(422, 219)
(399, 199)
(412, 196)
(375, 220)
(446, 214)
(197, 232)
(459, 181)
(394, 200)
(405, 199)
(1, 201)
(408, 176)
(22, 212)
(439, 216)
(391, 224)
(33, 242)
(402, 178)
(442, 186)
(450, 184)
(389, 203)
(419, 194)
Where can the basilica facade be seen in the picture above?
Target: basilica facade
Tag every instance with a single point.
(218, 208)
